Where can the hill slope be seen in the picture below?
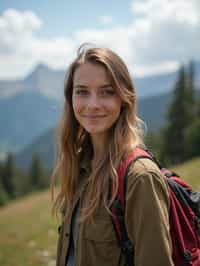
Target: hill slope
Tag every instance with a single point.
(189, 171)
(28, 232)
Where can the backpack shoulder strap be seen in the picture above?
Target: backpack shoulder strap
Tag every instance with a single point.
(118, 206)
(132, 157)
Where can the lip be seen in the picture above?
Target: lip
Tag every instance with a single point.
(94, 116)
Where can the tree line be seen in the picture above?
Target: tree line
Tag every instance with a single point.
(179, 140)
(15, 182)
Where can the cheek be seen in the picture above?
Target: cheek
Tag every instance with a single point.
(75, 108)
(77, 105)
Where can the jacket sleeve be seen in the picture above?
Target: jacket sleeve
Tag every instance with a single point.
(147, 221)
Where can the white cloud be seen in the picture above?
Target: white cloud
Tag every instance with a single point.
(20, 48)
(173, 30)
(17, 22)
(161, 67)
(181, 11)
(16, 28)
(162, 34)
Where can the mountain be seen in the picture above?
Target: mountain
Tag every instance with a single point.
(46, 81)
(42, 79)
(152, 110)
(49, 83)
(44, 146)
(24, 117)
(30, 106)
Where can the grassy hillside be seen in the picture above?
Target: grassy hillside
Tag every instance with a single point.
(189, 171)
(29, 232)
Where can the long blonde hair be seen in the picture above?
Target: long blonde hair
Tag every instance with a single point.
(74, 141)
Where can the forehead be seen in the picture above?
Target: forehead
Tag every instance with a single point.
(91, 73)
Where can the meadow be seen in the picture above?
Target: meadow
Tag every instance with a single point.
(28, 232)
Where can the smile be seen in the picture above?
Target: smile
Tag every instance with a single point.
(94, 116)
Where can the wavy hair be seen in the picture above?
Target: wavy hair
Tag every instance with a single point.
(75, 142)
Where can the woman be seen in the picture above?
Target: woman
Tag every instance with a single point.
(99, 128)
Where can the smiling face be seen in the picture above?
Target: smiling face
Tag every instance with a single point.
(95, 101)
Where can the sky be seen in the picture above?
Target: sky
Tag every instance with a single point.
(151, 36)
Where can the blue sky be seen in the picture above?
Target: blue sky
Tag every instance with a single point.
(64, 17)
(152, 36)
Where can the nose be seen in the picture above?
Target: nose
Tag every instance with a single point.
(93, 101)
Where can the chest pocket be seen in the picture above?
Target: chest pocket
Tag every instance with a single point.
(100, 243)
(100, 230)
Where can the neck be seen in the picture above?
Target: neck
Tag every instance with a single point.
(99, 146)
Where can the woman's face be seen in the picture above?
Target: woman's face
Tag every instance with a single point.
(96, 103)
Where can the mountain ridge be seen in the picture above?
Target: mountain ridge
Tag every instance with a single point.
(49, 82)
(33, 105)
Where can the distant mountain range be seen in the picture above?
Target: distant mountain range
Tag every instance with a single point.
(44, 146)
(152, 110)
(43, 80)
(49, 83)
(25, 116)
(30, 107)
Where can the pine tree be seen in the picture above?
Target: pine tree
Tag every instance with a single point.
(192, 135)
(173, 148)
(9, 175)
(4, 198)
(21, 183)
(192, 139)
(3, 195)
(37, 174)
(190, 93)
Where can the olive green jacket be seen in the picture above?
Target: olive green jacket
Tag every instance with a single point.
(147, 223)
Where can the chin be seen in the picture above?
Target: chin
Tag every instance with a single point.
(96, 130)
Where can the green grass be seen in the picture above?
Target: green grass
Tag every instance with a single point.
(29, 232)
(190, 172)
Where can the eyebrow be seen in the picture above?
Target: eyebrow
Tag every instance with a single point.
(86, 87)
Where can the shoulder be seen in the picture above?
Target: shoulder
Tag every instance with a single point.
(145, 174)
(147, 213)
(142, 166)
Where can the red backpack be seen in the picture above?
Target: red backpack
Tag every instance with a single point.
(184, 214)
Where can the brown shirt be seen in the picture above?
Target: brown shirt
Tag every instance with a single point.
(146, 217)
